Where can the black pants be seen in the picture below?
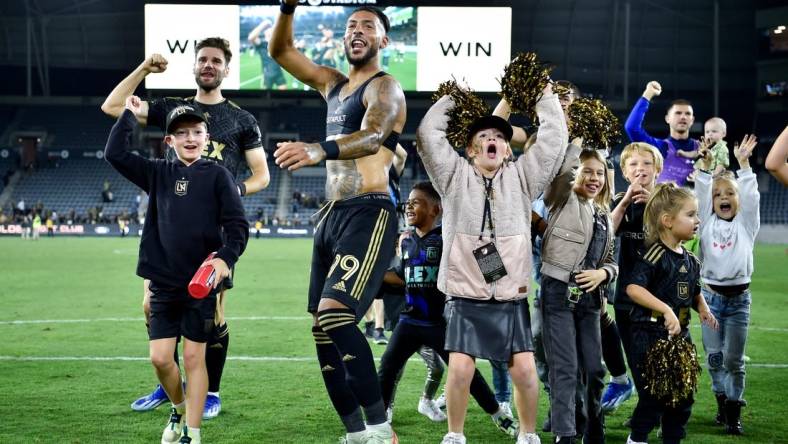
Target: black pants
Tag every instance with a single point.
(404, 342)
(651, 411)
(624, 325)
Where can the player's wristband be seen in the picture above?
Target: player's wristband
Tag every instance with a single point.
(286, 9)
(241, 188)
(331, 148)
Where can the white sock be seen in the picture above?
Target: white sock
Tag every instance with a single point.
(214, 394)
(181, 407)
(194, 434)
(620, 379)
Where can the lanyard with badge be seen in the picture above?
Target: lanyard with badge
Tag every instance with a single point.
(487, 255)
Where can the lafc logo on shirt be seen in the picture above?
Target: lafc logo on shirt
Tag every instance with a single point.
(432, 254)
(181, 186)
(683, 289)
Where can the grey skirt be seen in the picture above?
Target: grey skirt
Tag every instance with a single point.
(491, 329)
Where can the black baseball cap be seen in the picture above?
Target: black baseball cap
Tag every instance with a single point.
(184, 112)
(485, 122)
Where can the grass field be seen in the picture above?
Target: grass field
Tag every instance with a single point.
(72, 382)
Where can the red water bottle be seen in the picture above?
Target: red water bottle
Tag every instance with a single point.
(202, 282)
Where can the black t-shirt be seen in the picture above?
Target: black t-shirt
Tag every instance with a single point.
(632, 245)
(674, 278)
(421, 257)
(232, 130)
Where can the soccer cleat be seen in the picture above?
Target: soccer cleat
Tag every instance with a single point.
(213, 405)
(616, 394)
(379, 337)
(440, 401)
(172, 431)
(453, 438)
(506, 423)
(150, 401)
(528, 438)
(381, 434)
(506, 407)
(428, 408)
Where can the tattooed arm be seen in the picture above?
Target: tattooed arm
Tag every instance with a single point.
(385, 103)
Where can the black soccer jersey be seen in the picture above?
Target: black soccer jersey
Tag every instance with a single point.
(674, 278)
(344, 116)
(232, 130)
(632, 245)
(421, 258)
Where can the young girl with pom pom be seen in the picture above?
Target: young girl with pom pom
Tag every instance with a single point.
(665, 283)
(730, 220)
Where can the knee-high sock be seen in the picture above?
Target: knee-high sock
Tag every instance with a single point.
(339, 392)
(340, 326)
(216, 356)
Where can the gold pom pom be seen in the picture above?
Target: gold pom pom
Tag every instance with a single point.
(467, 108)
(522, 83)
(671, 370)
(591, 120)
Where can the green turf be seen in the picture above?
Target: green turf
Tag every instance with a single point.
(85, 401)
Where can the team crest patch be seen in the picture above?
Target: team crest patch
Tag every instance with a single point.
(432, 254)
(683, 288)
(683, 269)
(181, 186)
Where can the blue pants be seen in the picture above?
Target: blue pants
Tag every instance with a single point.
(725, 346)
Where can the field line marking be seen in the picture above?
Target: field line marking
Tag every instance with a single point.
(243, 318)
(252, 359)
(254, 79)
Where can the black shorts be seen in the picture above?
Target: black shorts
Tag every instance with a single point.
(354, 244)
(174, 313)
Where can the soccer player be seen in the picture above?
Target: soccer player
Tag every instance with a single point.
(235, 138)
(195, 210)
(354, 238)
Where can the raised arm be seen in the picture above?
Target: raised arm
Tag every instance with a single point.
(255, 34)
(542, 161)
(749, 197)
(133, 167)
(634, 123)
(439, 158)
(114, 104)
(385, 113)
(519, 136)
(282, 49)
(777, 158)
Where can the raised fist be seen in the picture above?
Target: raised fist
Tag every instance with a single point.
(155, 63)
(653, 89)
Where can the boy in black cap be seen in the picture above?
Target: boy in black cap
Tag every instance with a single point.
(187, 198)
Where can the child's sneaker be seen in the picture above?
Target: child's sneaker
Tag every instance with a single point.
(428, 408)
(528, 438)
(453, 438)
(506, 407)
(506, 423)
(213, 405)
(354, 438)
(150, 401)
(378, 337)
(381, 434)
(187, 439)
(440, 401)
(172, 431)
(615, 395)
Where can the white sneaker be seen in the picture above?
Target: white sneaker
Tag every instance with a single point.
(354, 438)
(428, 408)
(172, 431)
(629, 441)
(528, 438)
(453, 438)
(506, 407)
(440, 401)
(506, 423)
(381, 434)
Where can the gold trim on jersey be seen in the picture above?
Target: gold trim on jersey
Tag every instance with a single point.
(372, 254)
(654, 253)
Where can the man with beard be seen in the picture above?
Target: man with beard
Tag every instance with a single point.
(354, 238)
(234, 137)
(678, 149)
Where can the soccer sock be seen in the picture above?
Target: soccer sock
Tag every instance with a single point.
(340, 326)
(216, 356)
(193, 433)
(338, 390)
(611, 347)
